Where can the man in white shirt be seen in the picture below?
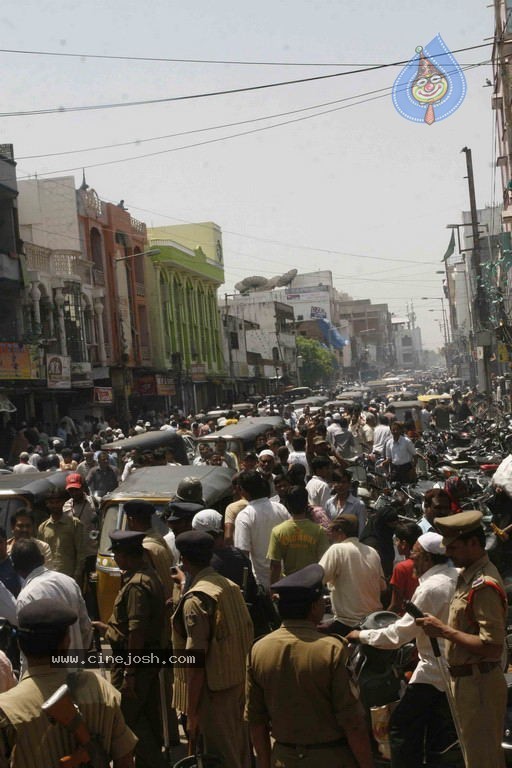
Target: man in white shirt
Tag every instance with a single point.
(400, 454)
(24, 466)
(334, 428)
(318, 488)
(42, 583)
(353, 572)
(423, 710)
(254, 524)
(381, 435)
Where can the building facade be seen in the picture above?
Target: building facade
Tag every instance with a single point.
(271, 347)
(184, 312)
(20, 363)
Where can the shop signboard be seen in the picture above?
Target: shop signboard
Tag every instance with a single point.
(103, 395)
(165, 386)
(58, 372)
(18, 361)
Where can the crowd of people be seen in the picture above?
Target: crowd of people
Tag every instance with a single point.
(295, 559)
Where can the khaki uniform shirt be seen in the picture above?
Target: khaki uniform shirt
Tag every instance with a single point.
(139, 604)
(66, 539)
(29, 740)
(298, 684)
(160, 558)
(487, 617)
(85, 511)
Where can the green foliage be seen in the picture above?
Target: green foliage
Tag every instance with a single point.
(318, 363)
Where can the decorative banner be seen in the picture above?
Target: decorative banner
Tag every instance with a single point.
(431, 86)
(58, 372)
(18, 361)
(103, 395)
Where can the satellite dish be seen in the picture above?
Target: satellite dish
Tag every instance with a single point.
(287, 277)
(252, 283)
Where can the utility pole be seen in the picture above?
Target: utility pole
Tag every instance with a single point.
(480, 303)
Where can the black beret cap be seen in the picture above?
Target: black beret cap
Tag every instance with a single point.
(46, 616)
(138, 508)
(303, 586)
(126, 541)
(194, 542)
(182, 510)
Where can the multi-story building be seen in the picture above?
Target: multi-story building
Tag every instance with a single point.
(115, 246)
(372, 348)
(234, 346)
(19, 356)
(315, 302)
(59, 293)
(86, 298)
(407, 343)
(271, 347)
(184, 312)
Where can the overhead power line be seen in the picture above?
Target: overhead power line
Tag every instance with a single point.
(202, 130)
(114, 57)
(224, 138)
(193, 96)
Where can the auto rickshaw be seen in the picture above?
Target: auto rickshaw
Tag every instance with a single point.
(241, 437)
(157, 485)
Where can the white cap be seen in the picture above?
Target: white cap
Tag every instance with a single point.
(432, 542)
(207, 520)
(266, 452)
(336, 416)
(139, 429)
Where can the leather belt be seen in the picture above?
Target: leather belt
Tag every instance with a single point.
(465, 670)
(320, 745)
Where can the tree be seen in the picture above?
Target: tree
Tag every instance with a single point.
(318, 363)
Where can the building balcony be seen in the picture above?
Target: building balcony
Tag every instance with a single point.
(38, 258)
(140, 289)
(137, 226)
(65, 264)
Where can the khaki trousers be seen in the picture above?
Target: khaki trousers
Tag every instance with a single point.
(480, 701)
(222, 726)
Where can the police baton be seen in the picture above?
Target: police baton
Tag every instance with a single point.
(414, 611)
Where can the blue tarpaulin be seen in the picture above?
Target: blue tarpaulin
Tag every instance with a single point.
(331, 335)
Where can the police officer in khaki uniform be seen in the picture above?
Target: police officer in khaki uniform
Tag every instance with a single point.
(475, 635)
(27, 737)
(299, 689)
(138, 518)
(139, 515)
(212, 617)
(137, 625)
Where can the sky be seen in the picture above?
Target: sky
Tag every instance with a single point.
(360, 190)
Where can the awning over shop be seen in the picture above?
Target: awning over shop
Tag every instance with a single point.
(331, 335)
